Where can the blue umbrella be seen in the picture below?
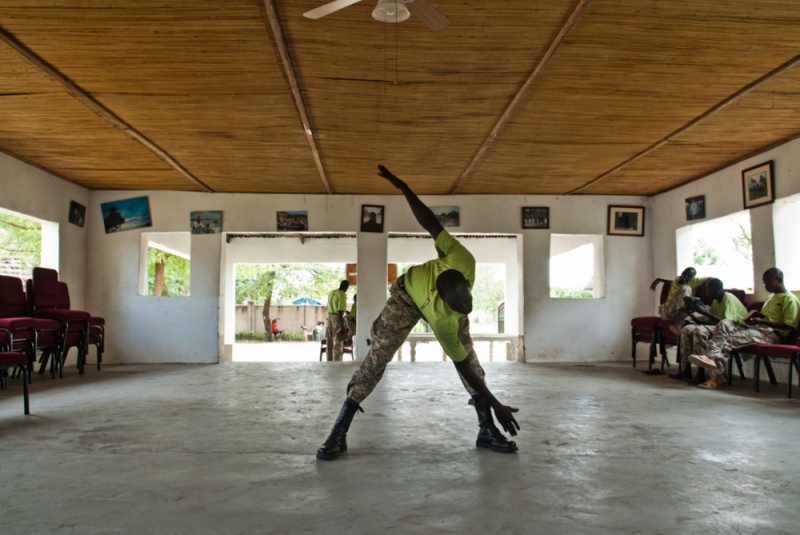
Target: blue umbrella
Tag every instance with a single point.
(305, 301)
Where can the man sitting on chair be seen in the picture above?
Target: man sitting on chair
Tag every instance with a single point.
(684, 285)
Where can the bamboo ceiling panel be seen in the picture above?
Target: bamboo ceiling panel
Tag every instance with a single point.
(42, 124)
(765, 117)
(629, 74)
(200, 79)
(453, 84)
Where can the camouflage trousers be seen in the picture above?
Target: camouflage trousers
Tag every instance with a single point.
(672, 308)
(350, 323)
(335, 345)
(729, 336)
(389, 332)
(694, 340)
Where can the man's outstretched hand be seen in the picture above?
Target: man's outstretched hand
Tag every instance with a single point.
(388, 175)
(506, 418)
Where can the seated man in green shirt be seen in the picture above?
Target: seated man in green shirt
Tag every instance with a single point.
(439, 291)
(699, 326)
(350, 317)
(684, 285)
(779, 316)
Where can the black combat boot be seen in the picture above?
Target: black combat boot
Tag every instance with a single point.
(490, 436)
(336, 443)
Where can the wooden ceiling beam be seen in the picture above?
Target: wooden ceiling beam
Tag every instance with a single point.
(501, 122)
(103, 112)
(792, 63)
(280, 42)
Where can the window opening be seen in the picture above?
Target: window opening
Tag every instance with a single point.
(786, 214)
(167, 272)
(576, 266)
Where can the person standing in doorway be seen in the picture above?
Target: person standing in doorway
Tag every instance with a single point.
(439, 291)
(335, 329)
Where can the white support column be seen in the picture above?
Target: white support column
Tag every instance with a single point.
(762, 234)
(372, 273)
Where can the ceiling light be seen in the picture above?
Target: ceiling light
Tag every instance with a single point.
(390, 11)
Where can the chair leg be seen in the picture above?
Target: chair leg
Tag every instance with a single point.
(757, 373)
(26, 402)
(633, 346)
(770, 371)
(740, 366)
(791, 363)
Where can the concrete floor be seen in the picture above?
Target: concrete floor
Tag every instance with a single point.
(230, 449)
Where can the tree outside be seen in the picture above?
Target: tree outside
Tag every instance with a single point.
(167, 274)
(20, 246)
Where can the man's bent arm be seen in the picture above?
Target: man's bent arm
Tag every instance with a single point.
(424, 216)
(503, 412)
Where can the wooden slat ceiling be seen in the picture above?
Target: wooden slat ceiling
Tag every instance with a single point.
(204, 82)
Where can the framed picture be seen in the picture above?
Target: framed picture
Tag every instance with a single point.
(449, 216)
(126, 214)
(371, 218)
(77, 213)
(758, 185)
(696, 208)
(535, 217)
(296, 220)
(206, 222)
(626, 220)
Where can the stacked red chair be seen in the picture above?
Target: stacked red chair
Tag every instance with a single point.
(645, 329)
(97, 329)
(43, 303)
(43, 334)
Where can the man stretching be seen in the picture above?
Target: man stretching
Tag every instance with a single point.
(439, 291)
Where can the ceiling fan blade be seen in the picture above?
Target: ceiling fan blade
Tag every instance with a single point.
(428, 14)
(327, 9)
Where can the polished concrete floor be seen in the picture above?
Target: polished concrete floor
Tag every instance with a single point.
(229, 449)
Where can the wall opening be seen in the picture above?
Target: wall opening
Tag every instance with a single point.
(577, 269)
(786, 214)
(720, 248)
(25, 243)
(165, 264)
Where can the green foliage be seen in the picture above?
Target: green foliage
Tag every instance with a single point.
(490, 288)
(743, 243)
(249, 336)
(564, 293)
(705, 255)
(20, 245)
(177, 272)
(286, 281)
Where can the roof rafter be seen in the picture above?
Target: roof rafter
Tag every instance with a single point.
(280, 42)
(501, 122)
(102, 111)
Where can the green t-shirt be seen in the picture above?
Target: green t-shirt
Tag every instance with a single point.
(353, 310)
(420, 284)
(337, 302)
(730, 308)
(783, 307)
(693, 284)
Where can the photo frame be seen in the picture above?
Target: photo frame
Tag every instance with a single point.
(536, 217)
(758, 184)
(292, 220)
(205, 222)
(696, 208)
(625, 220)
(372, 218)
(77, 213)
(448, 216)
(126, 214)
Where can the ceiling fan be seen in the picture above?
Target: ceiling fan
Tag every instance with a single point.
(389, 11)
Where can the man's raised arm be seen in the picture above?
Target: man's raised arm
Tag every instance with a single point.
(424, 216)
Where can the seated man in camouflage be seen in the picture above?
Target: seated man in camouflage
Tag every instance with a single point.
(699, 326)
(779, 316)
(684, 285)
(439, 291)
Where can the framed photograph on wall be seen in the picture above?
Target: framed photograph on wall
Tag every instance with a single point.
(536, 217)
(126, 214)
(696, 208)
(448, 216)
(625, 220)
(293, 220)
(758, 185)
(77, 213)
(206, 222)
(371, 218)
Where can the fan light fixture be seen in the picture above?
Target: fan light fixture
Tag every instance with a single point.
(391, 11)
